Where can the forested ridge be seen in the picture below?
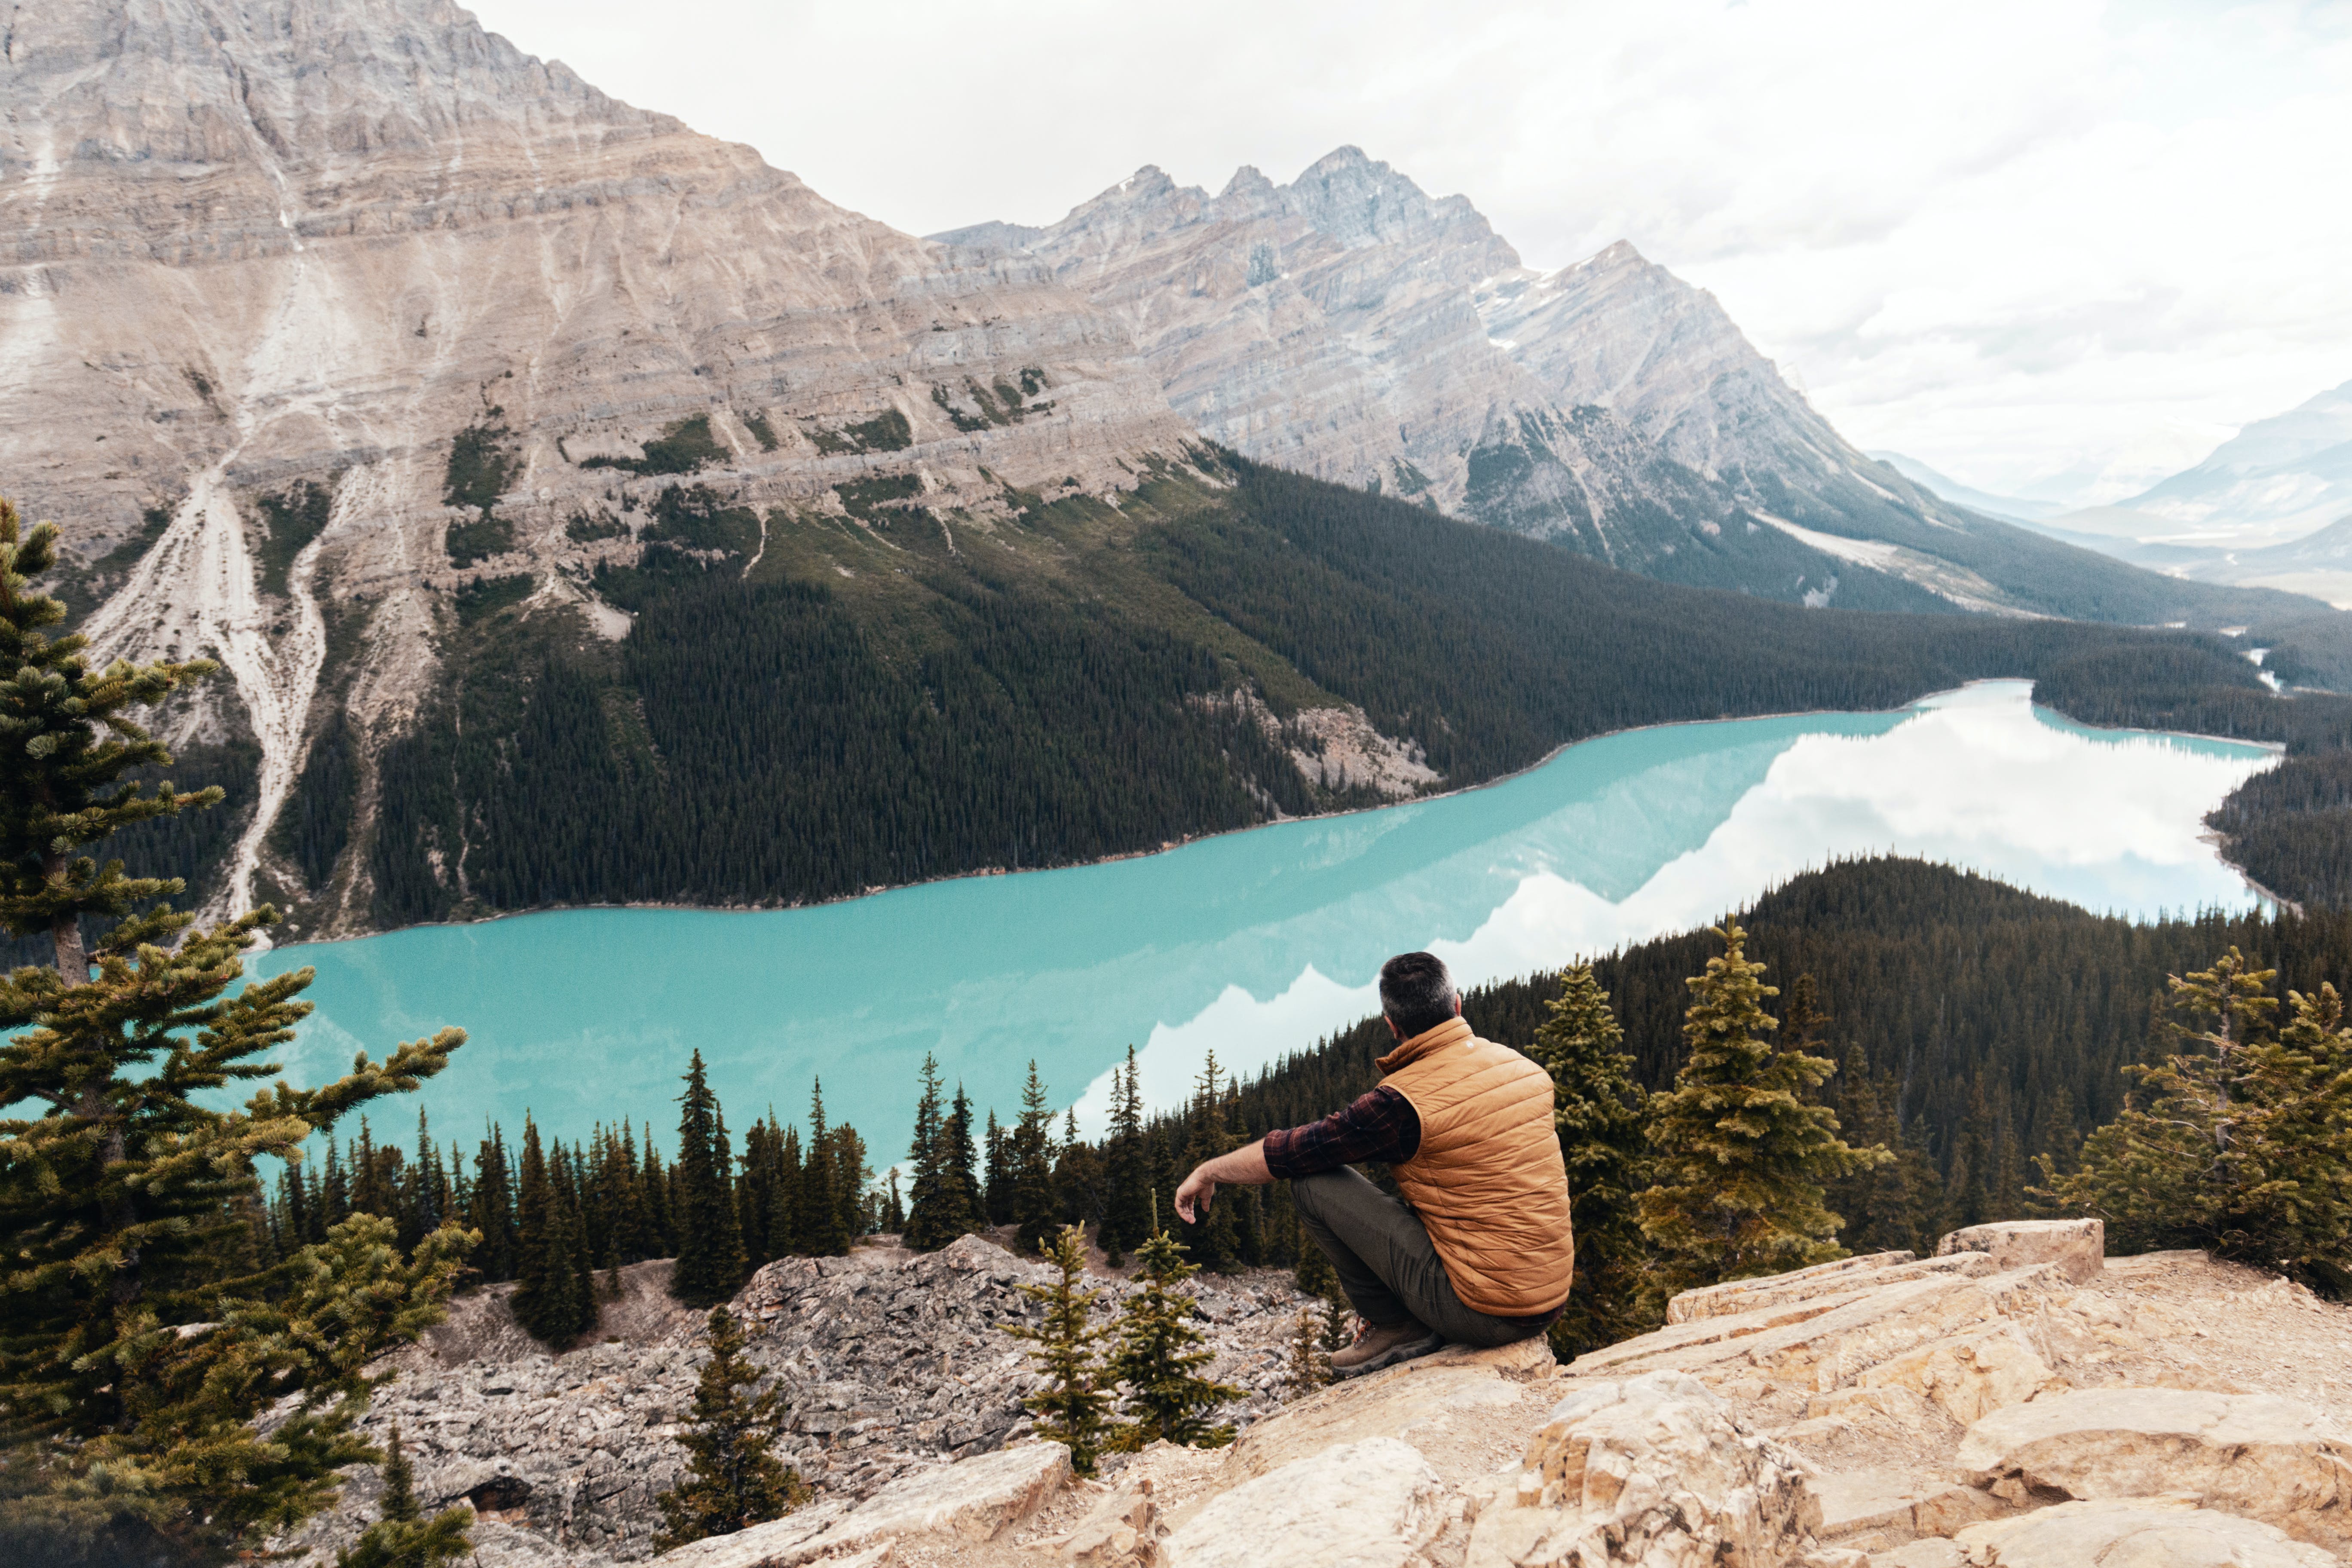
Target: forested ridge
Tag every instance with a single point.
(805, 707)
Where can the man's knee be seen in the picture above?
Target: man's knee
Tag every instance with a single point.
(1317, 1196)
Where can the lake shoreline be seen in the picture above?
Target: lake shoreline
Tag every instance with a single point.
(1171, 846)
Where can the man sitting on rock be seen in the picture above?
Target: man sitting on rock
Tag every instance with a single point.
(1482, 1257)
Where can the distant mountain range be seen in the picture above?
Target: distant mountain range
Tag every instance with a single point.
(2269, 507)
(409, 374)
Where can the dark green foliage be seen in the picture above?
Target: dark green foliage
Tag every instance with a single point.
(401, 1536)
(553, 1300)
(486, 596)
(478, 539)
(887, 431)
(772, 741)
(1159, 1356)
(587, 527)
(732, 1477)
(142, 1330)
(1602, 1115)
(1036, 1206)
(762, 431)
(868, 500)
(2291, 828)
(824, 1230)
(945, 1201)
(1127, 1168)
(294, 517)
(711, 1260)
(2239, 1141)
(481, 465)
(1741, 1156)
(698, 517)
(683, 447)
(317, 822)
(1074, 1407)
(1216, 1238)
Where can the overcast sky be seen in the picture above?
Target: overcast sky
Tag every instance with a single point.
(2054, 247)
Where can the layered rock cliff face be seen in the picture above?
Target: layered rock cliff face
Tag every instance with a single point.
(364, 246)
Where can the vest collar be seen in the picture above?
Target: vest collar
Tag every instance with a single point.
(1429, 1042)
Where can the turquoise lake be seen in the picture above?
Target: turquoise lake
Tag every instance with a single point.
(1255, 944)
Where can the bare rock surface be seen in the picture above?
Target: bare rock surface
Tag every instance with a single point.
(1656, 1470)
(2142, 1533)
(1819, 1420)
(2078, 1246)
(1373, 1504)
(2266, 1457)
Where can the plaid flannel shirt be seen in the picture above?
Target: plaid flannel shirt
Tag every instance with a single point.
(1380, 1125)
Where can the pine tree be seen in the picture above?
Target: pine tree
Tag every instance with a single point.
(710, 1238)
(958, 1155)
(1036, 1206)
(938, 1206)
(1311, 1364)
(1077, 1175)
(732, 1478)
(1216, 1237)
(997, 1178)
(1074, 1408)
(2242, 1143)
(490, 1210)
(1741, 1156)
(823, 1233)
(401, 1536)
(1127, 1168)
(1160, 1354)
(548, 1301)
(133, 1357)
(1602, 1113)
(894, 1208)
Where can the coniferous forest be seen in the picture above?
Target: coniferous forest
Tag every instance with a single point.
(776, 727)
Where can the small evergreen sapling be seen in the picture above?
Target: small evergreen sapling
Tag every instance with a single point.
(1074, 1408)
(401, 1536)
(1310, 1362)
(1160, 1354)
(732, 1478)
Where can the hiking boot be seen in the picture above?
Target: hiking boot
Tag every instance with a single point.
(1385, 1347)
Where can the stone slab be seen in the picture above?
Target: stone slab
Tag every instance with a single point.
(2078, 1246)
(1402, 1402)
(2145, 1533)
(1371, 1504)
(2259, 1455)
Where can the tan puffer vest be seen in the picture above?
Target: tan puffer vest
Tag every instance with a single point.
(1487, 1180)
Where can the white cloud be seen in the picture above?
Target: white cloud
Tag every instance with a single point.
(2023, 240)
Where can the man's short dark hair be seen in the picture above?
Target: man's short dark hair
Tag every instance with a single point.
(1416, 992)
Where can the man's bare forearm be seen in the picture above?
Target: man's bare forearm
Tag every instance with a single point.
(1245, 1167)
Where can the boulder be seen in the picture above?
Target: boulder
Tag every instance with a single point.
(1119, 1531)
(2078, 1246)
(1409, 1402)
(1972, 1374)
(1744, 1295)
(1873, 1510)
(1652, 1470)
(2268, 1459)
(975, 1499)
(1372, 1504)
(972, 1500)
(2138, 1533)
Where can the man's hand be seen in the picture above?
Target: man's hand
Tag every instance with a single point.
(1192, 1197)
(1244, 1167)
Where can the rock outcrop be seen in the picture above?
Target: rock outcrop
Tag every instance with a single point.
(1881, 1412)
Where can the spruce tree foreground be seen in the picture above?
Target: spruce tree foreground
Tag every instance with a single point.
(732, 1477)
(142, 1328)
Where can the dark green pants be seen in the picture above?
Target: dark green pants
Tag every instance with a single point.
(1387, 1265)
